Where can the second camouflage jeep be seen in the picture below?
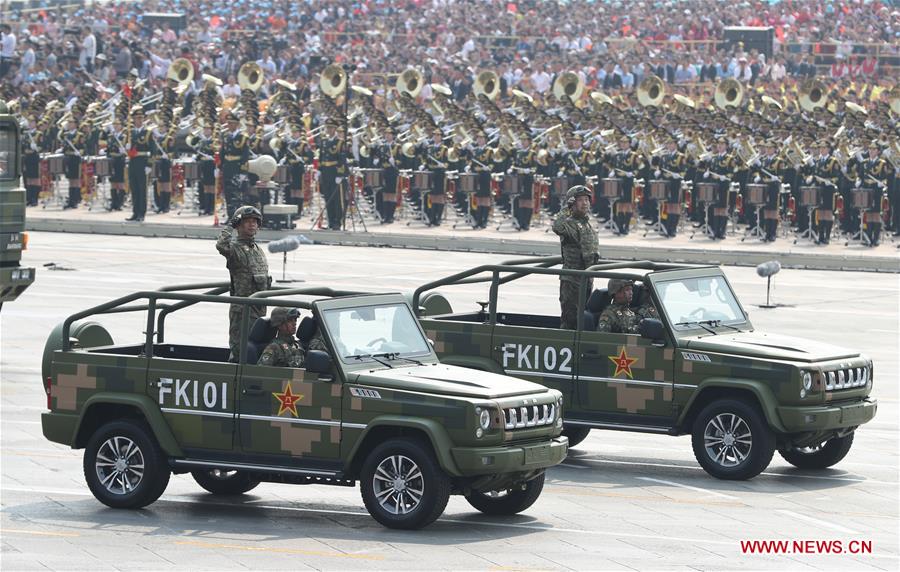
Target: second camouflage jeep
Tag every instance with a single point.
(377, 407)
(700, 369)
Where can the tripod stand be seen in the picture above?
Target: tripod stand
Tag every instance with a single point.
(810, 232)
(755, 231)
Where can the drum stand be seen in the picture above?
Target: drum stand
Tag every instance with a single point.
(351, 210)
(658, 226)
(510, 218)
(704, 228)
(755, 231)
(418, 211)
(810, 233)
(59, 193)
(101, 195)
(466, 215)
(190, 198)
(860, 236)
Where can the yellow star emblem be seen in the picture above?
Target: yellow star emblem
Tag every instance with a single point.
(623, 363)
(287, 401)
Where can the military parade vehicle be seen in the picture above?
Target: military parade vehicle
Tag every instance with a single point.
(377, 407)
(14, 278)
(701, 368)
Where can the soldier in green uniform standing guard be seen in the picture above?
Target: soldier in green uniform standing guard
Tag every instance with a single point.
(285, 350)
(247, 265)
(618, 317)
(580, 249)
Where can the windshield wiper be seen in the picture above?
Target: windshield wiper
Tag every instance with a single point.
(717, 323)
(398, 356)
(701, 324)
(375, 357)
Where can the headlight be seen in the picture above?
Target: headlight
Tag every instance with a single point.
(807, 380)
(484, 418)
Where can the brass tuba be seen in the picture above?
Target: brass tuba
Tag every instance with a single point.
(651, 91)
(568, 84)
(729, 93)
(181, 71)
(812, 95)
(333, 80)
(487, 84)
(250, 76)
(410, 82)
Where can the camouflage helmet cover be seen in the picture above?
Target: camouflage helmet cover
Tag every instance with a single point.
(246, 211)
(575, 192)
(281, 315)
(616, 284)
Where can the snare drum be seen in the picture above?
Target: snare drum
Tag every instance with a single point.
(706, 192)
(102, 167)
(421, 180)
(281, 176)
(372, 178)
(611, 188)
(467, 182)
(191, 170)
(863, 199)
(657, 190)
(57, 164)
(510, 184)
(809, 196)
(756, 194)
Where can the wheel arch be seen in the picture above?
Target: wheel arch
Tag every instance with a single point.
(102, 408)
(713, 389)
(388, 427)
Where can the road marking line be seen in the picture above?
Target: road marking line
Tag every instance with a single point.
(10, 422)
(697, 489)
(816, 521)
(568, 466)
(355, 556)
(654, 498)
(37, 532)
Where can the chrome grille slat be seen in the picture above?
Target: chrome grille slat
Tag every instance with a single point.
(527, 417)
(846, 378)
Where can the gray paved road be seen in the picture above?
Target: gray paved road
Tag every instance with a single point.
(621, 501)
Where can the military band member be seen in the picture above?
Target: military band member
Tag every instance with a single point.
(824, 172)
(247, 267)
(296, 152)
(138, 164)
(384, 156)
(436, 162)
(575, 161)
(332, 173)
(523, 165)
(234, 157)
(624, 164)
(719, 170)
(31, 162)
(618, 317)
(482, 156)
(114, 140)
(207, 161)
(580, 250)
(163, 147)
(670, 166)
(285, 350)
(72, 140)
(767, 172)
(873, 172)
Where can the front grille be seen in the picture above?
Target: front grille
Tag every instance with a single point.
(528, 416)
(846, 378)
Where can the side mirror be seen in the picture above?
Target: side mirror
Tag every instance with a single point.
(652, 328)
(319, 362)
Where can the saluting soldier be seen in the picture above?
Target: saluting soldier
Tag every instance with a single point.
(331, 173)
(285, 350)
(138, 164)
(618, 317)
(580, 250)
(234, 157)
(247, 266)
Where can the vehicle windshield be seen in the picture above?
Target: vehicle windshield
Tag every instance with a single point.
(8, 153)
(385, 331)
(697, 302)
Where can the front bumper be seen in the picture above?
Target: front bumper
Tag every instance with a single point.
(472, 461)
(801, 419)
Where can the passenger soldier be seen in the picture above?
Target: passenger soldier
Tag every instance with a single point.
(247, 266)
(285, 349)
(618, 317)
(578, 241)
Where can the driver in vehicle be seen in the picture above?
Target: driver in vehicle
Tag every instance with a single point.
(618, 317)
(645, 308)
(285, 350)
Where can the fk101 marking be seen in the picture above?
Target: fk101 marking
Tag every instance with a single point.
(532, 356)
(189, 393)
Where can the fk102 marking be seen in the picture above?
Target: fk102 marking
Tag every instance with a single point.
(189, 393)
(533, 356)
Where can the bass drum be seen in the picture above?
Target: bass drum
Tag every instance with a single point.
(83, 334)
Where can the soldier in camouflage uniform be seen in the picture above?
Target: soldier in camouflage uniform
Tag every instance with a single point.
(646, 309)
(284, 350)
(247, 265)
(580, 250)
(618, 317)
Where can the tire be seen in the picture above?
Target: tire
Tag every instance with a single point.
(424, 487)
(224, 482)
(507, 502)
(124, 466)
(824, 455)
(732, 440)
(575, 434)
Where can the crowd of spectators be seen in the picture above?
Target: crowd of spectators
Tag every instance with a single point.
(612, 45)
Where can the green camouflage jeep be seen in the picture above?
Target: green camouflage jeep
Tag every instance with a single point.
(700, 368)
(377, 407)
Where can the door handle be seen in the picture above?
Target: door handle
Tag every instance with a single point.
(253, 390)
(591, 355)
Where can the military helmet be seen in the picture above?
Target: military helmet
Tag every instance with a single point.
(246, 211)
(616, 284)
(281, 315)
(575, 192)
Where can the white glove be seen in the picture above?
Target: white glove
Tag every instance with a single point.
(34, 146)
(216, 173)
(756, 179)
(147, 170)
(809, 178)
(376, 161)
(629, 174)
(706, 174)
(468, 168)
(858, 182)
(657, 173)
(559, 173)
(338, 180)
(611, 174)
